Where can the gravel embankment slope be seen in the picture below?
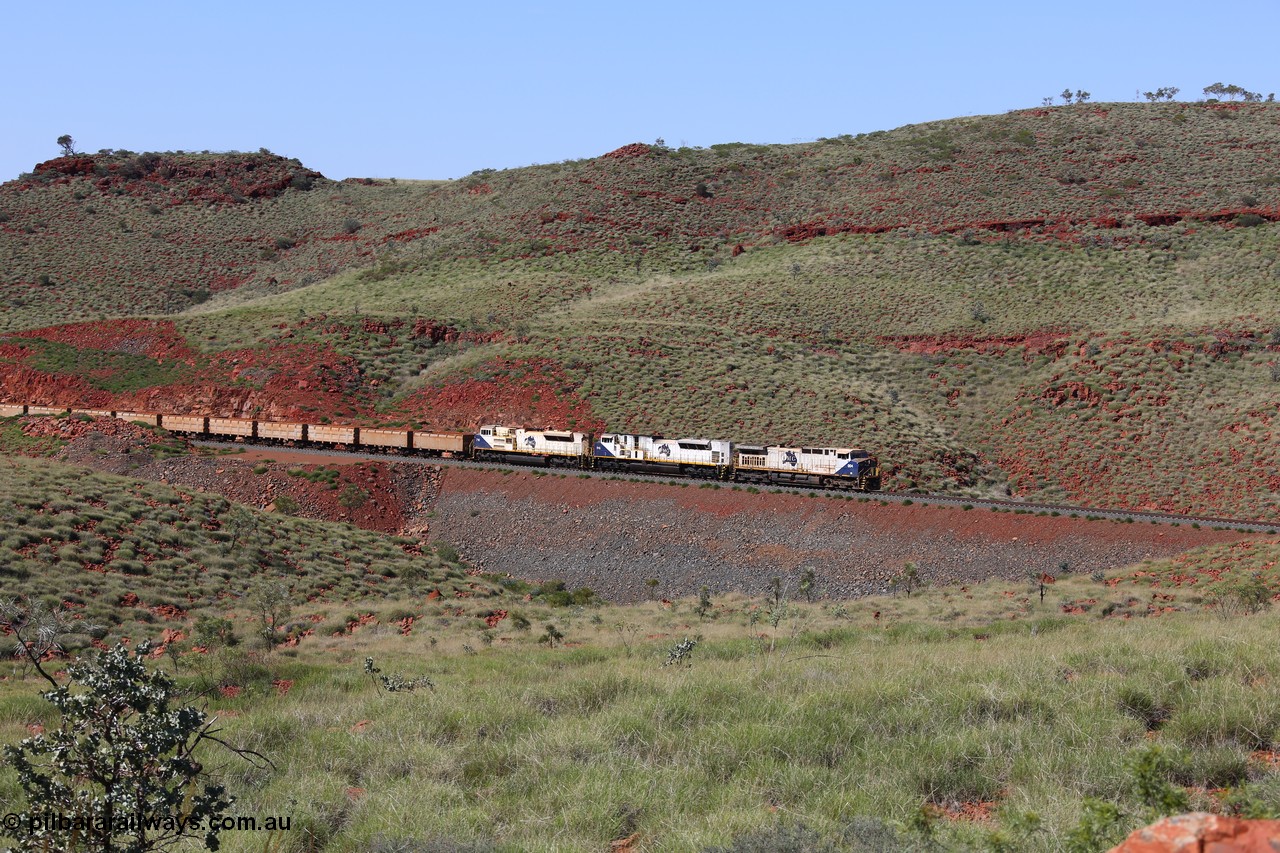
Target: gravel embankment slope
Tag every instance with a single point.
(614, 535)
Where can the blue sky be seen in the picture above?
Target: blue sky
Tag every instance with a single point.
(426, 90)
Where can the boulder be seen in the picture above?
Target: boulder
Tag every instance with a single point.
(1200, 832)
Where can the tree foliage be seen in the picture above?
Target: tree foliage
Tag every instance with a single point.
(907, 579)
(1164, 93)
(1230, 91)
(271, 599)
(120, 770)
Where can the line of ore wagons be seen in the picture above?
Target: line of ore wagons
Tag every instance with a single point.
(825, 467)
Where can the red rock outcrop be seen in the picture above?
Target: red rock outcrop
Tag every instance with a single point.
(1200, 832)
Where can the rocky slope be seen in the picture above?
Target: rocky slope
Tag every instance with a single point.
(615, 536)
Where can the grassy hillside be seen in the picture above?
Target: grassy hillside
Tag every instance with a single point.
(1075, 303)
(956, 718)
(145, 560)
(154, 232)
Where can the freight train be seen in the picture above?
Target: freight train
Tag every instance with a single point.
(713, 459)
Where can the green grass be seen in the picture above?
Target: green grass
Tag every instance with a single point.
(111, 371)
(830, 720)
(14, 441)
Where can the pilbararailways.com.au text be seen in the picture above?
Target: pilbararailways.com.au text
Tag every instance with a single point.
(18, 824)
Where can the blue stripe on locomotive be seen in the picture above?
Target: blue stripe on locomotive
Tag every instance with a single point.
(850, 468)
(479, 442)
(601, 450)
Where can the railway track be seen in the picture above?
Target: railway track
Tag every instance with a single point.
(901, 498)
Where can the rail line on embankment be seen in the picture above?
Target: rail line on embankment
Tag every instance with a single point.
(903, 498)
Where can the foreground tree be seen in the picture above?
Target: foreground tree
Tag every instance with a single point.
(119, 773)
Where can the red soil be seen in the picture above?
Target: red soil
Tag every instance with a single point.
(297, 381)
(725, 502)
(227, 180)
(285, 381)
(973, 812)
(22, 384)
(1033, 343)
(379, 496)
(635, 149)
(158, 339)
(530, 391)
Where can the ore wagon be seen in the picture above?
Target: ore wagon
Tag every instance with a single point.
(436, 443)
(392, 439)
(332, 434)
(148, 418)
(281, 431)
(232, 427)
(184, 423)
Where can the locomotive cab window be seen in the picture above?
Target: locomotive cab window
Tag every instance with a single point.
(486, 432)
(842, 455)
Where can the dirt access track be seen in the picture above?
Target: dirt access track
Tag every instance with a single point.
(613, 536)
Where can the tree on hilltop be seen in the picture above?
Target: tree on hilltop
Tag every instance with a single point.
(1231, 91)
(1164, 93)
(67, 144)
